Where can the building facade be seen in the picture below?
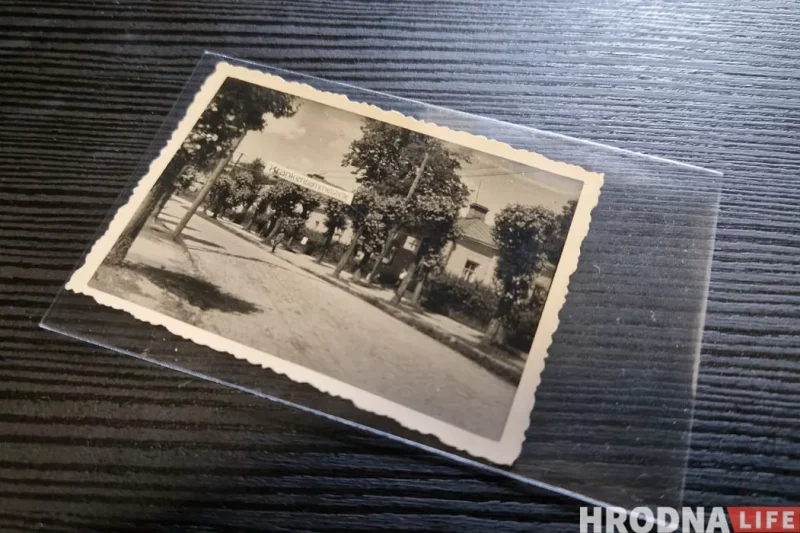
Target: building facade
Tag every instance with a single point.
(473, 256)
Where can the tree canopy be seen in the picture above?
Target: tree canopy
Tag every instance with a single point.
(238, 186)
(335, 215)
(522, 234)
(283, 197)
(560, 230)
(237, 107)
(413, 183)
(386, 157)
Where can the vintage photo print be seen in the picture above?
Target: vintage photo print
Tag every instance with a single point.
(414, 270)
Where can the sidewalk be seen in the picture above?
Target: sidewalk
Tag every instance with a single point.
(457, 336)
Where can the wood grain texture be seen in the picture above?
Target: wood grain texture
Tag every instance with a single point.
(92, 441)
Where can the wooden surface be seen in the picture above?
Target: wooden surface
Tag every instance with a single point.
(93, 441)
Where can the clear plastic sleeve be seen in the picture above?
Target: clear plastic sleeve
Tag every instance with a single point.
(613, 409)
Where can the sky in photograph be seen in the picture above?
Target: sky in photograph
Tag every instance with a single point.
(316, 138)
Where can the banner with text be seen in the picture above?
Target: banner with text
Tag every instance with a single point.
(312, 184)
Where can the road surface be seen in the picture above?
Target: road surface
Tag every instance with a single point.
(301, 318)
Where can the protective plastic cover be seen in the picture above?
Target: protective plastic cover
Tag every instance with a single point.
(613, 404)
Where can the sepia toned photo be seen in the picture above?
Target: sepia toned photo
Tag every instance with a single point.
(414, 270)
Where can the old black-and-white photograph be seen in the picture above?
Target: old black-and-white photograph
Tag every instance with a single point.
(393, 260)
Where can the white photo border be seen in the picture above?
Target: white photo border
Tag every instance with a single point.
(503, 452)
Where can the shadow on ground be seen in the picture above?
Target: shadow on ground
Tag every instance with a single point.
(200, 241)
(301, 272)
(196, 292)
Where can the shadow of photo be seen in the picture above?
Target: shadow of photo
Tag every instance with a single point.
(196, 292)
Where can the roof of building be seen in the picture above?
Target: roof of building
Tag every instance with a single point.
(477, 230)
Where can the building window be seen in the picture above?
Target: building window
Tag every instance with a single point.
(469, 270)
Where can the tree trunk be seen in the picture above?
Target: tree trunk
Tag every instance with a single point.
(257, 212)
(449, 254)
(275, 229)
(212, 179)
(326, 244)
(496, 324)
(120, 249)
(410, 273)
(393, 234)
(491, 331)
(358, 271)
(418, 289)
(160, 203)
(387, 245)
(246, 214)
(215, 210)
(267, 228)
(292, 237)
(169, 191)
(348, 254)
(401, 290)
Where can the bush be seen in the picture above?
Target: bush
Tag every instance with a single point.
(465, 301)
(335, 252)
(314, 246)
(237, 217)
(520, 334)
(387, 279)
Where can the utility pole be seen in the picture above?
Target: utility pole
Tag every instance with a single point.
(393, 232)
(212, 179)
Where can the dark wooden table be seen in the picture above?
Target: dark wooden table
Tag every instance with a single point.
(91, 440)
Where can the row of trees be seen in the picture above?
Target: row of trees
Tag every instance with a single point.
(407, 183)
(237, 108)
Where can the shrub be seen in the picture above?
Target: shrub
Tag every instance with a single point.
(314, 243)
(314, 246)
(465, 301)
(335, 252)
(520, 334)
(388, 279)
(237, 217)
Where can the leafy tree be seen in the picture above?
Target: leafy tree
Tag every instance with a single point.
(560, 230)
(368, 214)
(284, 198)
(293, 225)
(432, 217)
(238, 107)
(335, 219)
(237, 187)
(182, 182)
(402, 164)
(522, 234)
(260, 206)
(433, 264)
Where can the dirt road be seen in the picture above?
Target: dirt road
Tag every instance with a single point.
(254, 297)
